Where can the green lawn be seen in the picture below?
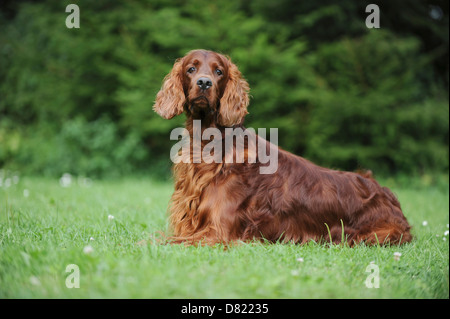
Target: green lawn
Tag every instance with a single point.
(45, 227)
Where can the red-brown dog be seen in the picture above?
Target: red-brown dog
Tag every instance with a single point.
(223, 202)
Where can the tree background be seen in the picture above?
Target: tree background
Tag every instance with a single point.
(341, 95)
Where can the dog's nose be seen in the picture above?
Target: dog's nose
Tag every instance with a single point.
(204, 83)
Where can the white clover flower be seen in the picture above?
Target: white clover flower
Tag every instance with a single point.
(35, 281)
(91, 239)
(424, 223)
(300, 259)
(397, 255)
(88, 250)
(65, 180)
(110, 217)
(446, 233)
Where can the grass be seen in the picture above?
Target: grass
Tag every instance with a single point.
(44, 232)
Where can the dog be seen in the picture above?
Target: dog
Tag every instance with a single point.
(222, 202)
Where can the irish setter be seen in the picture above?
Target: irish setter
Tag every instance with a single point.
(224, 202)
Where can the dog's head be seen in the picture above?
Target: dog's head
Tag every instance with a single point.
(204, 82)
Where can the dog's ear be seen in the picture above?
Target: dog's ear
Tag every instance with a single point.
(234, 101)
(170, 99)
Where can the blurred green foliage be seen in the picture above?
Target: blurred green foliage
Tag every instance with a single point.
(342, 95)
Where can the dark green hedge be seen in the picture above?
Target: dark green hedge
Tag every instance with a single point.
(342, 95)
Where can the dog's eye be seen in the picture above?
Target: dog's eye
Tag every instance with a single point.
(191, 70)
(219, 72)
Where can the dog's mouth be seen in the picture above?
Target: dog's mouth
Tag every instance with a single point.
(200, 104)
(200, 101)
(201, 107)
